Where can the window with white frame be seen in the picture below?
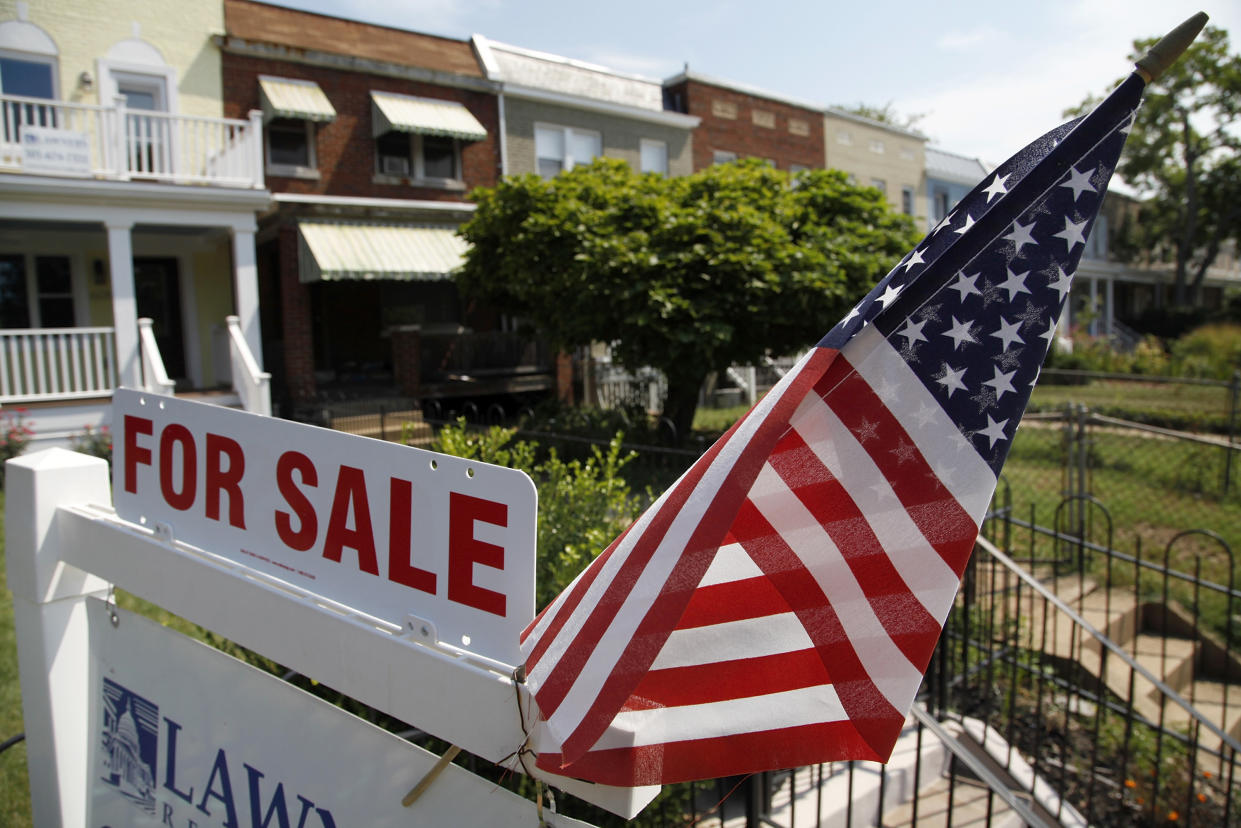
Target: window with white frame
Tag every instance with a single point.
(844, 136)
(560, 148)
(723, 157)
(876, 146)
(907, 200)
(654, 156)
(31, 76)
(37, 291)
(880, 185)
(417, 156)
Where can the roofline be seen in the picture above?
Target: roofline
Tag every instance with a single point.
(566, 61)
(687, 75)
(232, 44)
(871, 122)
(663, 117)
(398, 29)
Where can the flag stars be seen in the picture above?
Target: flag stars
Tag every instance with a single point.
(1008, 359)
(966, 285)
(912, 332)
(960, 332)
(889, 295)
(1015, 284)
(924, 415)
(1002, 383)
(1073, 233)
(1007, 333)
(1021, 235)
(1079, 182)
(1050, 333)
(996, 187)
(1032, 315)
(965, 225)
(914, 259)
(1062, 283)
(994, 431)
(952, 379)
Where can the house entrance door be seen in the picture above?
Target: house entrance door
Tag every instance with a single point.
(158, 292)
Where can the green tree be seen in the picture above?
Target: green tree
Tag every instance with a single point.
(1182, 153)
(689, 275)
(886, 114)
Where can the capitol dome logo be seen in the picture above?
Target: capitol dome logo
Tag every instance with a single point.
(129, 744)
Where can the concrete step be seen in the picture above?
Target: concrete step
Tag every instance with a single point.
(1171, 660)
(964, 802)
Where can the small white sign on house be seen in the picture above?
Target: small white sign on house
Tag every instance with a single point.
(52, 150)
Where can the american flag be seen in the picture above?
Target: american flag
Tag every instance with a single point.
(779, 604)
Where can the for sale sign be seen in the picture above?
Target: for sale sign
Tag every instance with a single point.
(388, 530)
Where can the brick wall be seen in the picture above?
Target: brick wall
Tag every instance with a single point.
(750, 125)
(345, 147)
(296, 321)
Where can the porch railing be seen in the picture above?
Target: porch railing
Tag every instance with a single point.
(154, 376)
(61, 363)
(45, 137)
(252, 385)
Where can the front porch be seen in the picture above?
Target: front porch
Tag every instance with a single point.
(109, 217)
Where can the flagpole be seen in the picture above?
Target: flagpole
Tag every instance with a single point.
(1164, 53)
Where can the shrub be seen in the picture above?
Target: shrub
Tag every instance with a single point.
(583, 503)
(97, 442)
(15, 435)
(1211, 352)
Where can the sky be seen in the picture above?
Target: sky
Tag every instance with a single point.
(987, 76)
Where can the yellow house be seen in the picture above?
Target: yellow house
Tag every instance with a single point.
(124, 196)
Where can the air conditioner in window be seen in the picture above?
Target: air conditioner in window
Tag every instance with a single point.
(394, 165)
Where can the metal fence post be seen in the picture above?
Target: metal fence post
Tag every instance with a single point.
(1233, 388)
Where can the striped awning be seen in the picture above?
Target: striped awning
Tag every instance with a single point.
(340, 251)
(427, 116)
(293, 98)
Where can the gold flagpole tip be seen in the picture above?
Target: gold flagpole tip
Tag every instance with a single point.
(1164, 53)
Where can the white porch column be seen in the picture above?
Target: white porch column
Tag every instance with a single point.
(1094, 306)
(246, 290)
(1109, 297)
(124, 304)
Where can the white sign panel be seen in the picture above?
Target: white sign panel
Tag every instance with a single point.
(388, 530)
(183, 735)
(46, 149)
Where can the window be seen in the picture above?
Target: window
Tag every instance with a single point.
(28, 75)
(941, 205)
(876, 146)
(724, 109)
(797, 126)
(559, 148)
(763, 118)
(290, 143)
(723, 157)
(907, 200)
(418, 157)
(654, 156)
(844, 136)
(49, 282)
(880, 185)
(907, 154)
(796, 168)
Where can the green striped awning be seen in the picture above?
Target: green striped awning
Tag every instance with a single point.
(293, 98)
(340, 251)
(427, 116)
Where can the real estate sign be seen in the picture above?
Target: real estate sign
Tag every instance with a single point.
(407, 536)
(184, 735)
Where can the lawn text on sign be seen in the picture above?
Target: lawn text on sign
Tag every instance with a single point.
(438, 544)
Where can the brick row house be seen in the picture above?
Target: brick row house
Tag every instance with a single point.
(373, 138)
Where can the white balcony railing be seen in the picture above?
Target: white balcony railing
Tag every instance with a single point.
(45, 137)
(56, 363)
(252, 385)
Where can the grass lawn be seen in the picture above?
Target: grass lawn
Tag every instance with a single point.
(14, 784)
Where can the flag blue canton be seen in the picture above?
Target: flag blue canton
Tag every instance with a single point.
(973, 308)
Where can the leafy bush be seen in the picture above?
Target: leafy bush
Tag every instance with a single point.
(15, 436)
(583, 503)
(97, 442)
(1210, 352)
